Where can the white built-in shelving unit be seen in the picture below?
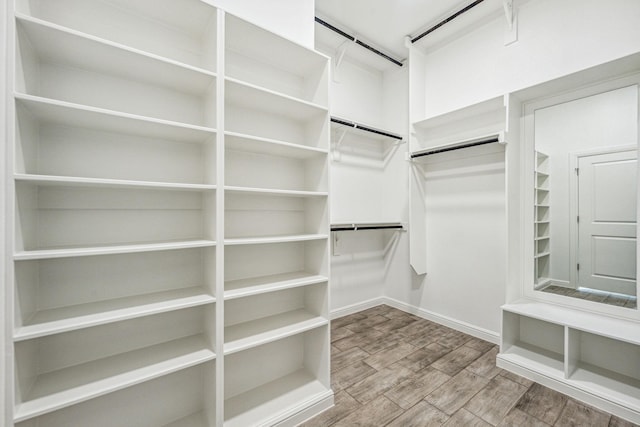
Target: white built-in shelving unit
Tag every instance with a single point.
(580, 351)
(485, 120)
(542, 254)
(169, 198)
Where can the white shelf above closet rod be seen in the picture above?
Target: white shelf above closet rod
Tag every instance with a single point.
(499, 138)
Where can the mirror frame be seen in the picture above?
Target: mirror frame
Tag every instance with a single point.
(527, 160)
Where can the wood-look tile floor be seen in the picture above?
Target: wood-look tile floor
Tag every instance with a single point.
(390, 368)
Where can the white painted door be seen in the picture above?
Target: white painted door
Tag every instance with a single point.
(607, 221)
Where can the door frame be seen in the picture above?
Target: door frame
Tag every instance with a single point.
(574, 158)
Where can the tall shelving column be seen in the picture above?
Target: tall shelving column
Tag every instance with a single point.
(541, 217)
(276, 228)
(141, 208)
(113, 183)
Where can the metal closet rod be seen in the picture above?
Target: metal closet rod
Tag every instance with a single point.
(359, 42)
(428, 152)
(364, 128)
(356, 227)
(447, 19)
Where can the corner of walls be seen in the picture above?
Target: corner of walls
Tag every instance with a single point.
(467, 328)
(367, 185)
(357, 307)
(465, 243)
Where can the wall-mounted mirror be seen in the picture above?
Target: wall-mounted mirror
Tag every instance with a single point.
(585, 207)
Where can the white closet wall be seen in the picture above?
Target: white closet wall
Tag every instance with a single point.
(368, 181)
(553, 41)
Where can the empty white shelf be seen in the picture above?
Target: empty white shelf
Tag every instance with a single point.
(81, 316)
(59, 389)
(524, 354)
(493, 107)
(61, 45)
(252, 97)
(110, 249)
(254, 144)
(243, 336)
(194, 420)
(602, 382)
(610, 327)
(76, 115)
(273, 239)
(275, 192)
(258, 405)
(542, 255)
(109, 183)
(258, 285)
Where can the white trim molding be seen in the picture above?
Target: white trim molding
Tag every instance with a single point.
(458, 325)
(355, 308)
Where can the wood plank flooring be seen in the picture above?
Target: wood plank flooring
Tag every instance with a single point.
(390, 368)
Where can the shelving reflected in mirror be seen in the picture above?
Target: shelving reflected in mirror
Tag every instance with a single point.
(585, 204)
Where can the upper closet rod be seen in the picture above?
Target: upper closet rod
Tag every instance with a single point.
(361, 43)
(447, 19)
(356, 227)
(365, 128)
(457, 146)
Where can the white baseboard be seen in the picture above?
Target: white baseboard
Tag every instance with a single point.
(562, 283)
(354, 308)
(458, 325)
(303, 412)
(449, 322)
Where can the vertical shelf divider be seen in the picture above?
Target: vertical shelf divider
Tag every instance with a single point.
(571, 351)
(220, 158)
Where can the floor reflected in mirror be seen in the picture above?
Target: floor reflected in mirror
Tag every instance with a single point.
(610, 298)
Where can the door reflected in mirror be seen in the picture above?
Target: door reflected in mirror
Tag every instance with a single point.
(585, 203)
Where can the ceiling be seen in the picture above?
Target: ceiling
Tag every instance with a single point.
(384, 24)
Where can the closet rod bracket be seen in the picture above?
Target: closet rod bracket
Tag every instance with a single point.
(507, 5)
(340, 53)
(511, 15)
(340, 134)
